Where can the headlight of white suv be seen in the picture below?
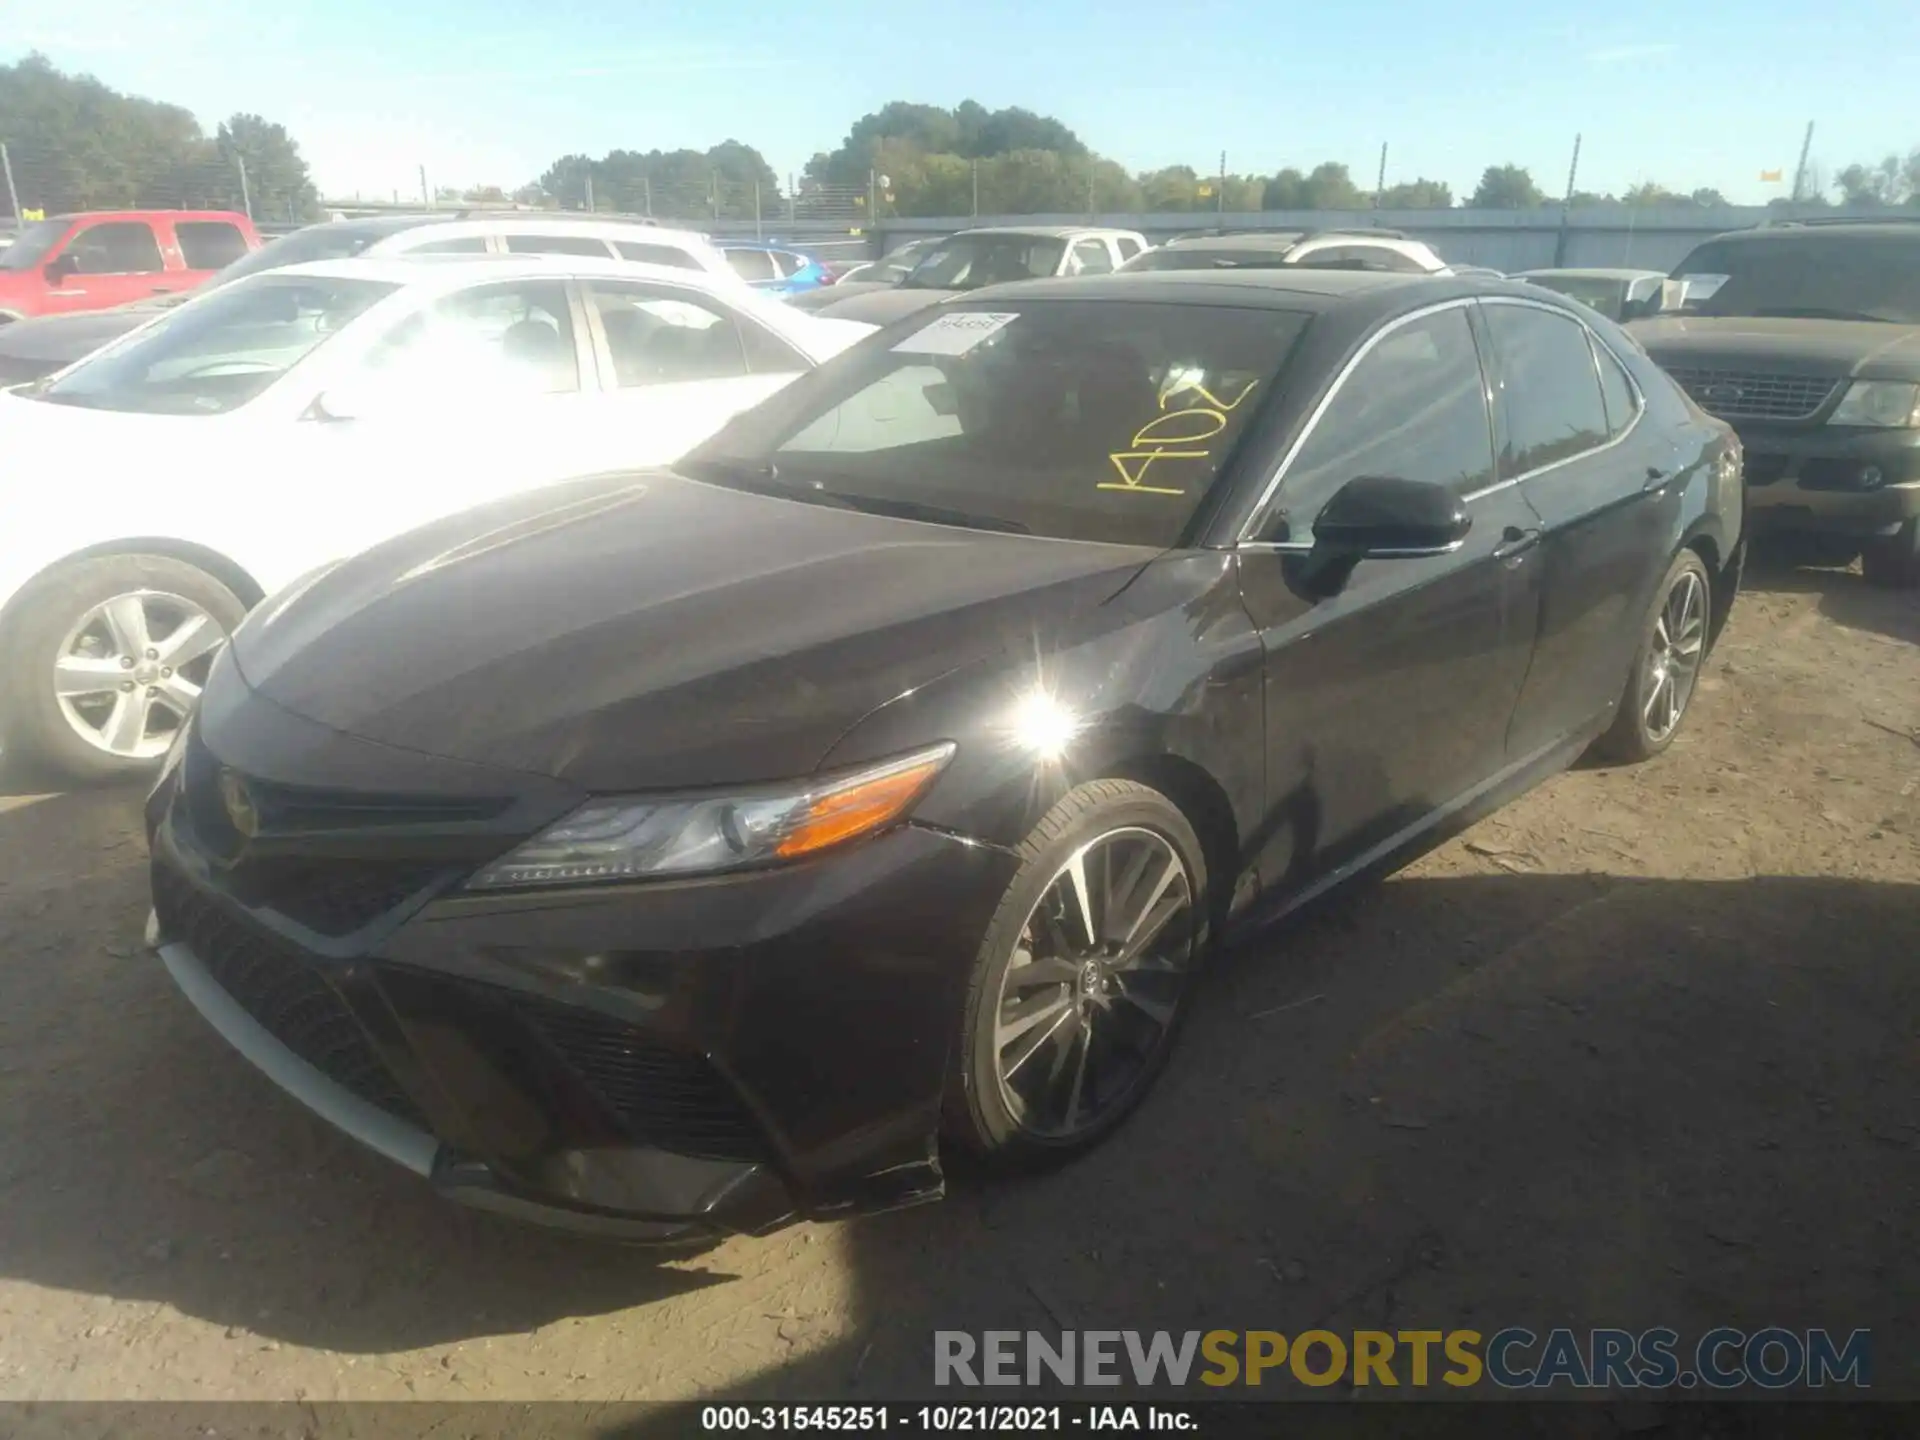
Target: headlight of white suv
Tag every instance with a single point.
(1888, 404)
(710, 832)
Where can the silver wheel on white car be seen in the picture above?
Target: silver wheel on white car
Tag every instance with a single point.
(129, 673)
(103, 659)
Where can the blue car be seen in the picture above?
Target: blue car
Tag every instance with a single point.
(774, 268)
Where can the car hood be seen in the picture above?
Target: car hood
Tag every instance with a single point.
(648, 631)
(1857, 348)
(63, 435)
(32, 348)
(822, 296)
(885, 304)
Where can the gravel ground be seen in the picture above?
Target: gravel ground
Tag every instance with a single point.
(1644, 1048)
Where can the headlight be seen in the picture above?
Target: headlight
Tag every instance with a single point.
(1889, 404)
(642, 837)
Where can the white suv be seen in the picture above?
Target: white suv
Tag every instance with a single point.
(33, 349)
(1320, 250)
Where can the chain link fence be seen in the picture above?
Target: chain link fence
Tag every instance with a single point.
(36, 182)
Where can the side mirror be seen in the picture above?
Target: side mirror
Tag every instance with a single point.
(61, 266)
(1382, 517)
(338, 405)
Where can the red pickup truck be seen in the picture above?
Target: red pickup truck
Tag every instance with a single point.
(108, 257)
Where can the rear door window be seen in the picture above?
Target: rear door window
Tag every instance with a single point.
(558, 245)
(1090, 257)
(464, 245)
(1550, 390)
(116, 247)
(1616, 390)
(663, 335)
(209, 244)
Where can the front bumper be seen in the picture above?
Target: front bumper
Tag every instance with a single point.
(645, 1062)
(1834, 480)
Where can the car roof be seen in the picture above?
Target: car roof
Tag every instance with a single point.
(1238, 240)
(1294, 288)
(453, 271)
(1047, 232)
(1902, 228)
(1593, 272)
(133, 213)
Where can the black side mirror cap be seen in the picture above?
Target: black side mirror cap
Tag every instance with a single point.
(1384, 517)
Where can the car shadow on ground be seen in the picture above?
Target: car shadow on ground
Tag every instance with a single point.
(1439, 1101)
(1845, 596)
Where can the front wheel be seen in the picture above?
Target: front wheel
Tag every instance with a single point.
(1083, 977)
(1666, 667)
(1893, 561)
(102, 661)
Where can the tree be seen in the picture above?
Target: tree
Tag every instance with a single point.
(720, 183)
(969, 131)
(277, 180)
(1506, 187)
(1328, 186)
(76, 144)
(1417, 195)
(1891, 182)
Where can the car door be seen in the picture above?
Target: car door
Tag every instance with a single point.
(478, 394)
(1389, 698)
(1570, 439)
(678, 363)
(106, 263)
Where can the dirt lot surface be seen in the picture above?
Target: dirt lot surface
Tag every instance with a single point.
(1642, 1049)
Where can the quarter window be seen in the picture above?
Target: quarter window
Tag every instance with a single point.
(751, 264)
(1550, 389)
(1415, 408)
(116, 247)
(464, 245)
(1615, 389)
(656, 254)
(1090, 257)
(209, 244)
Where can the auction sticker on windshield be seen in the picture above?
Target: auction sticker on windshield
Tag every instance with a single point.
(955, 334)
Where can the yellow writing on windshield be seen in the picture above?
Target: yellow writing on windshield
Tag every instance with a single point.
(1173, 434)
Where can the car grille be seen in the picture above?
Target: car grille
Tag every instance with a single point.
(329, 897)
(278, 988)
(1763, 468)
(662, 1097)
(1749, 395)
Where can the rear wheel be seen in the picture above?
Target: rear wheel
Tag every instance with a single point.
(1083, 977)
(1893, 560)
(1666, 667)
(102, 661)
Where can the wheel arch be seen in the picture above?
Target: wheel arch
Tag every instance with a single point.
(228, 572)
(1203, 800)
(1723, 573)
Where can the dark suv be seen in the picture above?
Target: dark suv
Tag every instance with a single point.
(1806, 338)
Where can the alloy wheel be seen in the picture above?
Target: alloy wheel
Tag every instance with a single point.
(130, 672)
(1090, 994)
(1673, 662)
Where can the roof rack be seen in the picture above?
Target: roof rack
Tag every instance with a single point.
(1877, 219)
(497, 212)
(1375, 232)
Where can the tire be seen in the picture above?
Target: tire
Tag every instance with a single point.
(40, 632)
(1893, 561)
(1633, 736)
(1124, 832)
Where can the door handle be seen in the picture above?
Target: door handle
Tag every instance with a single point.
(1515, 542)
(1657, 477)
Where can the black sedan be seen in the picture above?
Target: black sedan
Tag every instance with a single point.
(686, 851)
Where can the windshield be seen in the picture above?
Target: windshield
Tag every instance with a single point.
(31, 245)
(966, 262)
(219, 353)
(1592, 291)
(1176, 257)
(1104, 421)
(1818, 277)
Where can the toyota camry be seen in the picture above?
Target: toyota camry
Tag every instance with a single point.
(689, 850)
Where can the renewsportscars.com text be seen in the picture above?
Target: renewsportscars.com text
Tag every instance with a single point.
(1515, 1358)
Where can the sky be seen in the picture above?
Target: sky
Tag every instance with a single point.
(483, 92)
